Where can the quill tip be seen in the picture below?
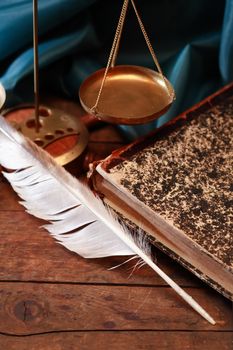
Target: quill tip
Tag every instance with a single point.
(210, 319)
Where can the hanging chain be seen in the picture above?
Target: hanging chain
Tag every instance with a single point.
(115, 47)
(114, 57)
(148, 41)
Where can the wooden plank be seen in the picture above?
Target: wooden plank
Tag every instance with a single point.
(29, 253)
(147, 340)
(29, 308)
(8, 198)
(103, 149)
(107, 133)
(94, 151)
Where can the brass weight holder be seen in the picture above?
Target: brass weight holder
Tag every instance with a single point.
(63, 135)
(127, 94)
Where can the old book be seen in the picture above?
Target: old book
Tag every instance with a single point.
(176, 184)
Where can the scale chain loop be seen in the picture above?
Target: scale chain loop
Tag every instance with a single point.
(115, 47)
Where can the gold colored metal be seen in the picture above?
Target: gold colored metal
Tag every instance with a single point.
(45, 126)
(2, 96)
(131, 95)
(127, 94)
(54, 125)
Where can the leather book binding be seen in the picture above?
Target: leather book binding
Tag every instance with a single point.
(176, 184)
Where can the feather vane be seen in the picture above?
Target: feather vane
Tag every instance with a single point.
(77, 218)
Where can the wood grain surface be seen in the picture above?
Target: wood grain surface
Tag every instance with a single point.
(51, 299)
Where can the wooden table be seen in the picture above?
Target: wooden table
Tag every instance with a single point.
(51, 299)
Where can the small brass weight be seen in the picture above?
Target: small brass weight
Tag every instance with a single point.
(127, 94)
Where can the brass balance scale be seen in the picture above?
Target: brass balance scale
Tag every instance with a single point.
(118, 94)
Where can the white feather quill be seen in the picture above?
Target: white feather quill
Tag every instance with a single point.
(77, 218)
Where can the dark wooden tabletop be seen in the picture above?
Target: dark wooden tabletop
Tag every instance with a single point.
(52, 299)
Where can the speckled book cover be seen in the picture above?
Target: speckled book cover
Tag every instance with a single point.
(176, 184)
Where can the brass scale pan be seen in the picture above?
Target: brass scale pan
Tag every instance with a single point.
(121, 94)
(127, 94)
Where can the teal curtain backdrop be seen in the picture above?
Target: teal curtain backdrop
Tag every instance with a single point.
(192, 38)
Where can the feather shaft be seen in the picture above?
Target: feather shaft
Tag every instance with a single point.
(70, 206)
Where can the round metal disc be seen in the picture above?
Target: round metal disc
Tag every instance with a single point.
(62, 135)
(131, 95)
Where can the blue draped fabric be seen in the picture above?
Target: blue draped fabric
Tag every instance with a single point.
(193, 41)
